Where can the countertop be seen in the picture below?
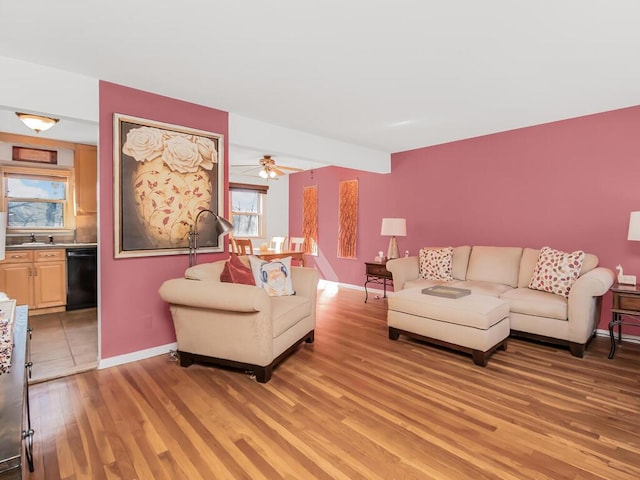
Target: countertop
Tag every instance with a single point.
(39, 246)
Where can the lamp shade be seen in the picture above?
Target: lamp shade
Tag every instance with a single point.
(394, 227)
(634, 226)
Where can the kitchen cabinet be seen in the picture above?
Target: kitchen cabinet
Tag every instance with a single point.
(85, 163)
(36, 278)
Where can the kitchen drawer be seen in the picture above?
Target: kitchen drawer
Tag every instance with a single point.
(12, 256)
(49, 255)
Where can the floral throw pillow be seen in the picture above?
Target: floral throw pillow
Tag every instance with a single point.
(556, 271)
(435, 263)
(273, 276)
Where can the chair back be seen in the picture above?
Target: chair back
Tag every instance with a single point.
(241, 246)
(296, 243)
(278, 243)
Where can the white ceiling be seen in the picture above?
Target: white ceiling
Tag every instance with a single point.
(387, 75)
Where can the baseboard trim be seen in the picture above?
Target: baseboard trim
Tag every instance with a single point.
(324, 283)
(625, 337)
(135, 356)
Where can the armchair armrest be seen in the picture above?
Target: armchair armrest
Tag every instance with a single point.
(584, 301)
(215, 295)
(403, 269)
(305, 281)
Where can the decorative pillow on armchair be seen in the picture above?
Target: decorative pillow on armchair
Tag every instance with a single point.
(236, 272)
(435, 263)
(556, 271)
(273, 276)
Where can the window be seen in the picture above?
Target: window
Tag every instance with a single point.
(247, 209)
(37, 199)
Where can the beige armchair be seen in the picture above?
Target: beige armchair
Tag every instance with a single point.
(237, 325)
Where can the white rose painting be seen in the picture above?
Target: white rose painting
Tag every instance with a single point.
(165, 175)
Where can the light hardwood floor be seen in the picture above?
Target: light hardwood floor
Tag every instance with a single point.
(354, 405)
(63, 343)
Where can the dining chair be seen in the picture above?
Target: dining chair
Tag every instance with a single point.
(296, 244)
(278, 243)
(242, 246)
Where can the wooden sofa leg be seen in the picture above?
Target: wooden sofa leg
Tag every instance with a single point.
(186, 360)
(311, 337)
(576, 349)
(393, 333)
(263, 374)
(480, 358)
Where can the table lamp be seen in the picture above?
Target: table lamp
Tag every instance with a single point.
(634, 226)
(393, 227)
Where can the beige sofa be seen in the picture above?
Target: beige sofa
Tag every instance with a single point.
(505, 272)
(236, 325)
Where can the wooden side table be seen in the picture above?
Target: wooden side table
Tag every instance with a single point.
(626, 303)
(377, 273)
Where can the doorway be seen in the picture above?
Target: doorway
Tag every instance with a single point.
(63, 343)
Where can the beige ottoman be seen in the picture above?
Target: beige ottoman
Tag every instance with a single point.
(475, 324)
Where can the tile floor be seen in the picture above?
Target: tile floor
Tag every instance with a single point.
(63, 343)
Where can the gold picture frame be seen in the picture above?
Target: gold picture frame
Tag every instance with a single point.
(163, 176)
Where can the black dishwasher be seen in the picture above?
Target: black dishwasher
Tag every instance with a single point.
(82, 278)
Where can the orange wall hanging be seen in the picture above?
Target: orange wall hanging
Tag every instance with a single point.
(347, 218)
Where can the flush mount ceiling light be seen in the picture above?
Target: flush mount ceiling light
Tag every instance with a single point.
(37, 123)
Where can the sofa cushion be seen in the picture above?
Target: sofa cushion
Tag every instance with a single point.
(288, 311)
(538, 303)
(435, 263)
(460, 262)
(235, 271)
(476, 311)
(422, 283)
(556, 271)
(495, 264)
(483, 288)
(530, 259)
(273, 276)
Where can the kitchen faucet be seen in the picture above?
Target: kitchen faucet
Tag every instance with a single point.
(33, 238)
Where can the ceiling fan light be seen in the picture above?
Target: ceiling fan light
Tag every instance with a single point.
(37, 123)
(263, 173)
(272, 174)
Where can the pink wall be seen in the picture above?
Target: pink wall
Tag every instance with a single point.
(133, 317)
(568, 184)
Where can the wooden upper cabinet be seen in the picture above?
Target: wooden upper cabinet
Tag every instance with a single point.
(86, 171)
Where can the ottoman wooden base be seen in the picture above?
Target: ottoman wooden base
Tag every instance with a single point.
(479, 357)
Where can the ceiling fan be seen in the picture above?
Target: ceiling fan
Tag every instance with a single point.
(269, 170)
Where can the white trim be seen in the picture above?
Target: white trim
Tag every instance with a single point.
(625, 337)
(135, 356)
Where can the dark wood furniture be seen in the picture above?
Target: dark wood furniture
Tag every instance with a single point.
(16, 434)
(377, 273)
(626, 310)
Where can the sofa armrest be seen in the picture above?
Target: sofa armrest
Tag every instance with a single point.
(403, 269)
(584, 313)
(215, 295)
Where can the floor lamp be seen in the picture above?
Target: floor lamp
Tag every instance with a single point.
(221, 226)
